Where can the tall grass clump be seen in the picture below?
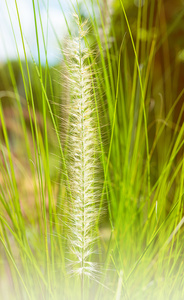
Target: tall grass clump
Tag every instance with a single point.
(109, 133)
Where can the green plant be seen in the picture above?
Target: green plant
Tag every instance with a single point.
(137, 121)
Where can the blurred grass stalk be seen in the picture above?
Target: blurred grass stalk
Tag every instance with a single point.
(143, 164)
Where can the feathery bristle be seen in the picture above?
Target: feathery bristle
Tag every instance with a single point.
(82, 155)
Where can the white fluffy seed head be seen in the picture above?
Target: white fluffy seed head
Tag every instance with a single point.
(82, 161)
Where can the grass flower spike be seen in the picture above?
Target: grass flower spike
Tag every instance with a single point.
(82, 156)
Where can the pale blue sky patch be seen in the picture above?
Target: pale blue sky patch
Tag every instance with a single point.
(55, 24)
